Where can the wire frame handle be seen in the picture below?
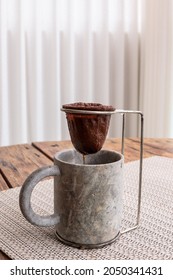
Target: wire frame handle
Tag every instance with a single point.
(140, 114)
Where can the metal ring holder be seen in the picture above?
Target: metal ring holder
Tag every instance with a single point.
(123, 113)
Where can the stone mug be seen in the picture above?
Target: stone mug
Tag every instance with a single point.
(88, 198)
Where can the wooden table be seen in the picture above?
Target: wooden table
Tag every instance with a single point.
(17, 162)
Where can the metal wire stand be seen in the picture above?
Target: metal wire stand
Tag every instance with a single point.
(123, 113)
(140, 114)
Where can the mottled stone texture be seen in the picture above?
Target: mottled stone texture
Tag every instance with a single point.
(88, 198)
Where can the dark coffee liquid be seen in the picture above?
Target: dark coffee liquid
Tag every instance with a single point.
(84, 157)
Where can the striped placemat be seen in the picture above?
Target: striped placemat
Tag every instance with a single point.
(152, 240)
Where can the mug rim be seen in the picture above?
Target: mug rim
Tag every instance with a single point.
(56, 158)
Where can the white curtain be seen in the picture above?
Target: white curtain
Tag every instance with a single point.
(156, 88)
(54, 52)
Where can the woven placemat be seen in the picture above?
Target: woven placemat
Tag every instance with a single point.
(152, 240)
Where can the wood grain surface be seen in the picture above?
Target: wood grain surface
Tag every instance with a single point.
(18, 161)
(151, 147)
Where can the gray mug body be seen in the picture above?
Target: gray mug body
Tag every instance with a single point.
(88, 198)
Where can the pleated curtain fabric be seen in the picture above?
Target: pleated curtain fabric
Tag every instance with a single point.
(54, 52)
(156, 70)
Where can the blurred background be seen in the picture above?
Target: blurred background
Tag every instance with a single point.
(53, 52)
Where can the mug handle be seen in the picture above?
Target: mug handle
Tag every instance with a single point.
(25, 197)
